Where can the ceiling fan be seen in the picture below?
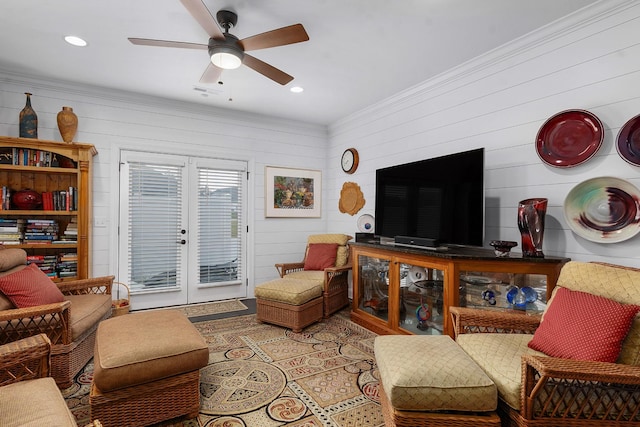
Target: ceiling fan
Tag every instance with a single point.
(225, 50)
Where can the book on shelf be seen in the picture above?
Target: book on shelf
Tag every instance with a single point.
(32, 157)
(41, 221)
(60, 200)
(11, 231)
(7, 222)
(6, 198)
(40, 230)
(10, 236)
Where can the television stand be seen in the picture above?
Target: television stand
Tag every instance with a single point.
(400, 289)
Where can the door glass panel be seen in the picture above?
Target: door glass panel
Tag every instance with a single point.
(154, 223)
(374, 286)
(421, 299)
(220, 219)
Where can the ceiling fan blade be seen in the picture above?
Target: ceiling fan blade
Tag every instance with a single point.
(266, 70)
(280, 37)
(211, 74)
(166, 43)
(200, 13)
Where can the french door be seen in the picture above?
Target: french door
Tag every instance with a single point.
(182, 233)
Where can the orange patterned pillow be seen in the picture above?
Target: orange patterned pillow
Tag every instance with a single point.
(30, 287)
(321, 256)
(582, 326)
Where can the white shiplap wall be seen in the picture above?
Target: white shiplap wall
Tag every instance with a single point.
(590, 61)
(114, 121)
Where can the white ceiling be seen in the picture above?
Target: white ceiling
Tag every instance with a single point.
(360, 51)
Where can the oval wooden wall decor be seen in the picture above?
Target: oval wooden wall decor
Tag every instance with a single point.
(351, 198)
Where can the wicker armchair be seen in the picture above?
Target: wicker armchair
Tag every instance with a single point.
(70, 324)
(334, 279)
(538, 390)
(27, 395)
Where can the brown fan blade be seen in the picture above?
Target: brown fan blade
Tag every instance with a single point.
(280, 37)
(211, 74)
(266, 70)
(200, 13)
(166, 43)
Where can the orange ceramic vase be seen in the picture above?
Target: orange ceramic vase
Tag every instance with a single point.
(67, 124)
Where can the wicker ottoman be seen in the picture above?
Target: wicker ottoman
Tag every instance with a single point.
(431, 381)
(291, 303)
(146, 369)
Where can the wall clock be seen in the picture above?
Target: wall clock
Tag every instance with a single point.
(349, 161)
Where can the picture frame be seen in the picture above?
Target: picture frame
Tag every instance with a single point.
(292, 193)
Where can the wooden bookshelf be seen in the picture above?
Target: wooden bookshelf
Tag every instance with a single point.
(36, 171)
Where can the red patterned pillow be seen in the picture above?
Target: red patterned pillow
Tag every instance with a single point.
(30, 287)
(321, 256)
(583, 326)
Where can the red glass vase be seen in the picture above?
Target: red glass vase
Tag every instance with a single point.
(531, 213)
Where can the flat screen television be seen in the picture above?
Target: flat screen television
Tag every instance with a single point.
(438, 200)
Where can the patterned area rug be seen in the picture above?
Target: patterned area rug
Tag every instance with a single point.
(261, 375)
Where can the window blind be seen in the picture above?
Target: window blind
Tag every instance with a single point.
(154, 222)
(220, 224)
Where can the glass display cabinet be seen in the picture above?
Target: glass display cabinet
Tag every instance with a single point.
(419, 295)
(421, 299)
(399, 290)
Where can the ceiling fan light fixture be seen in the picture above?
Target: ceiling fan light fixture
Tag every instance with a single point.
(227, 60)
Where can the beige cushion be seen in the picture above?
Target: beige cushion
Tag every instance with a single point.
(34, 403)
(618, 284)
(86, 311)
(143, 347)
(12, 257)
(341, 239)
(290, 291)
(499, 355)
(429, 373)
(342, 256)
(314, 275)
(84, 314)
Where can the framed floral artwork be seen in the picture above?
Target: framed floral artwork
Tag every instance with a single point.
(292, 193)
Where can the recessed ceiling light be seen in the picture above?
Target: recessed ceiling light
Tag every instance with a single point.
(76, 41)
(296, 89)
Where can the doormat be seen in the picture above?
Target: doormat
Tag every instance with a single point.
(206, 309)
(261, 375)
